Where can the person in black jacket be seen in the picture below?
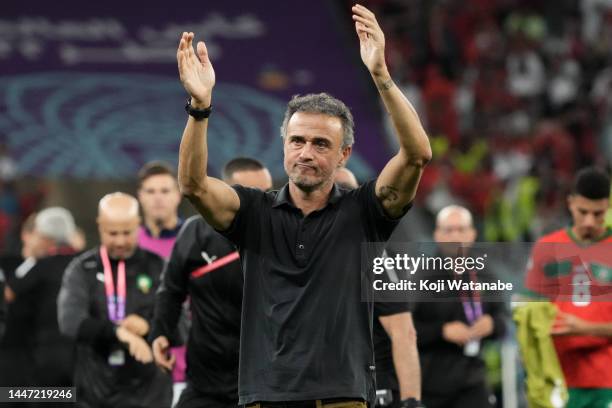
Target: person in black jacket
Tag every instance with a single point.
(105, 303)
(205, 266)
(36, 285)
(16, 362)
(450, 329)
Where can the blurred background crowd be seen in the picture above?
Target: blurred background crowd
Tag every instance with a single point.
(516, 96)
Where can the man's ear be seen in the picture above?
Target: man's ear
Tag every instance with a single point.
(346, 153)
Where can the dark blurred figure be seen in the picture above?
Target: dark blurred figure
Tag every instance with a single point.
(2, 306)
(451, 329)
(35, 285)
(205, 267)
(16, 365)
(159, 199)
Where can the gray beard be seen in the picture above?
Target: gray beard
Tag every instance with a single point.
(306, 187)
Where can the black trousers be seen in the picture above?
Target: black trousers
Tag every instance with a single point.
(54, 365)
(192, 398)
(320, 403)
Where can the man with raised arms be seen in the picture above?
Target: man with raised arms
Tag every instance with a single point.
(305, 334)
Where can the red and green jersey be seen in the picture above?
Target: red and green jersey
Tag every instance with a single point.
(577, 278)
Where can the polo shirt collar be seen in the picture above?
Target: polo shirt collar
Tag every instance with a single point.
(166, 233)
(283, 197)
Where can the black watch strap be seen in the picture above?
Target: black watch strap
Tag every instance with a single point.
(411, 403)
(198, 114)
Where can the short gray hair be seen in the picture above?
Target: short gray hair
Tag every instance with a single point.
(322, 103)
(453, 208)
(55, 223)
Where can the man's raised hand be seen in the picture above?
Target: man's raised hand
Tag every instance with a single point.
(371, 40)
(196, 72)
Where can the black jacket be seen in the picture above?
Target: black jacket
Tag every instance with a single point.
(39, 287)
(36, 290)
(216, 301)
(17, 367)
(83, 315)
(445, 369)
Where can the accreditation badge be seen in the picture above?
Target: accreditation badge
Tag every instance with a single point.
(116, 358)
(471, 348)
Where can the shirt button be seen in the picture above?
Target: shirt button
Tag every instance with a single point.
(300, 246)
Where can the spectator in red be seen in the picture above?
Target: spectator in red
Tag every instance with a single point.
(439, 96)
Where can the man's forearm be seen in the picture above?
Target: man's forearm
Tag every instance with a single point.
(407, 367)
(173, 290)
(411, 136)
(598, 329)
(193, 157)
(168, 309)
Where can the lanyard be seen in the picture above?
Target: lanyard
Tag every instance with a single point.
(473, 309)
(114, 303)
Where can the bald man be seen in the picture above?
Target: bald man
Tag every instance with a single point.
(450, 330)
(105, 304)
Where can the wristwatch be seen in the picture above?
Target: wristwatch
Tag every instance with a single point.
(411, 403)
(198, 114)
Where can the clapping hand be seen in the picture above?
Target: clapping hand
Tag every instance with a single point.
(196, 71)
(137, 347)
(371, 40)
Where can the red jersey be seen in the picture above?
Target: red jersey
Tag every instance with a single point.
(577, 278)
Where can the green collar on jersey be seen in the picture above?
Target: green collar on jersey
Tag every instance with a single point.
(607, 233)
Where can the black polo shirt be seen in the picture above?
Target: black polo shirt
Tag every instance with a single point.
(305, 332)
